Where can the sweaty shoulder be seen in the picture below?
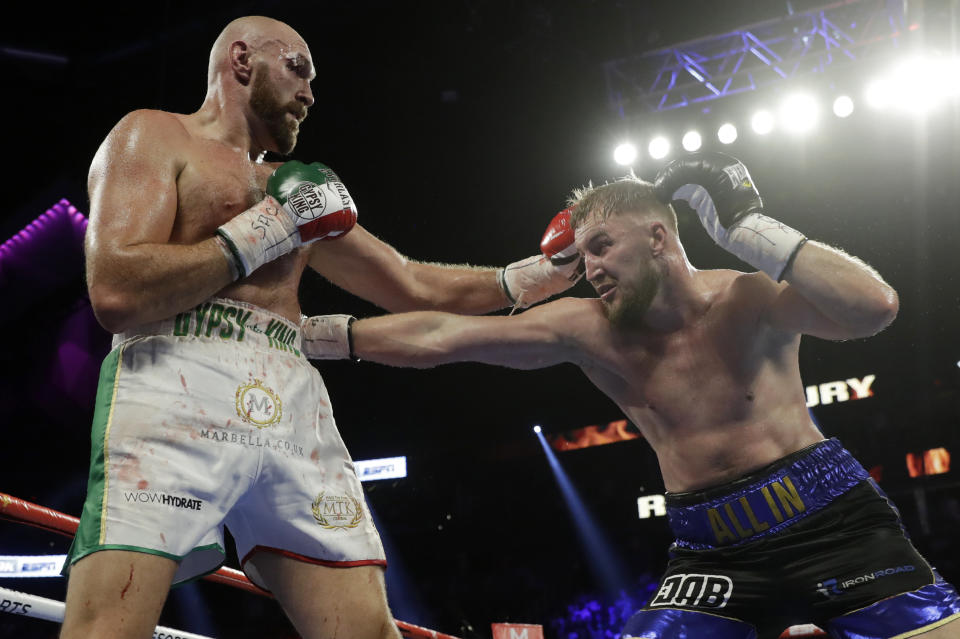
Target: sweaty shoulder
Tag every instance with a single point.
(141, 142)
(572, 309)
(578, 322)
(573, 328)
(145, 131)
(158, 126)
(746, 295)
(737, 284)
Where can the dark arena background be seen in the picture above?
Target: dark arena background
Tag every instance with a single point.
(460, 128)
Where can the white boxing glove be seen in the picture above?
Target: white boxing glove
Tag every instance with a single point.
(328, 337)
(556, 269)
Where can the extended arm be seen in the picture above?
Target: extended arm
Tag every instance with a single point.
(544, 336)
(374, 270)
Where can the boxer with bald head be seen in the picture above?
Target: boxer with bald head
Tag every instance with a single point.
(208, 413)
(774, 524)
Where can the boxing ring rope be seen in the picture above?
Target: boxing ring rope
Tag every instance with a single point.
(24, 512)
(27, 605)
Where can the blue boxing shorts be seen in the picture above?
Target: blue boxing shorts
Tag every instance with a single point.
(810, 538)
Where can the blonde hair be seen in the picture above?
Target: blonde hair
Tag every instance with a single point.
(628, 194)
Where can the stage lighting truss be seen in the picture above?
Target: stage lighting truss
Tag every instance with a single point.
(754, 56)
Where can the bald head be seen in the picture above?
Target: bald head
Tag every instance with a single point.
(258, 33)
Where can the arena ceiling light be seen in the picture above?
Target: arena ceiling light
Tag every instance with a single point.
(659, 147)
(950, 71)
(625, 154)
(916, 85)
(762, 122)
(727, 133)
(843, 106)
(922, 84)
(880, 93)
(799, 112)
(692, 141)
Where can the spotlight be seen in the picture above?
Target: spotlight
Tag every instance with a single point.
(762, 122)
(625, 154)
(880, 93)
(951, 77)
(921, 84)
(536, 428)
(659, 147)
(799, 113)
(843, 106)
(691, 141)
(727, 133)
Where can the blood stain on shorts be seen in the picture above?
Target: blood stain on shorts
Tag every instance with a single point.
(128, 469)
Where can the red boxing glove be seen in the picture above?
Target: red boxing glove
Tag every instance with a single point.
(557, 242)
(329, 208)
(558, 268)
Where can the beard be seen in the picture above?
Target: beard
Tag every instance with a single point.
(636, 300)
(273, 113)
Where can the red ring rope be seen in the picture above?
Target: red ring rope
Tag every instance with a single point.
(16, 509)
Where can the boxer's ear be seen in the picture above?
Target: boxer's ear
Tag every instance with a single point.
(658, 237)
(241, 62)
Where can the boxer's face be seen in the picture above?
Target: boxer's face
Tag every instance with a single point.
(280, 92)
(620, 265)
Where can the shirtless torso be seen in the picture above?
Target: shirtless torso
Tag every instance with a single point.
(216, 183)
(162, 186)
(765, 511)
(716, 398)
(210, 182)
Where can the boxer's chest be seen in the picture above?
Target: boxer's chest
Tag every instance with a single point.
(706, 369)
(215, 185)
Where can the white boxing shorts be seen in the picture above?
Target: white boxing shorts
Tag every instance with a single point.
(215, 417)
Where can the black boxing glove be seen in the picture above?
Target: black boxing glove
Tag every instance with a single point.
(718, 187)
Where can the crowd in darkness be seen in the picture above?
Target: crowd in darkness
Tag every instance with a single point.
(601, 617)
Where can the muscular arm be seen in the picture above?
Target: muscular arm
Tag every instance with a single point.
(375, 271)
(134, 274)
(541, 337)
(828, 294)
(832, 295)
